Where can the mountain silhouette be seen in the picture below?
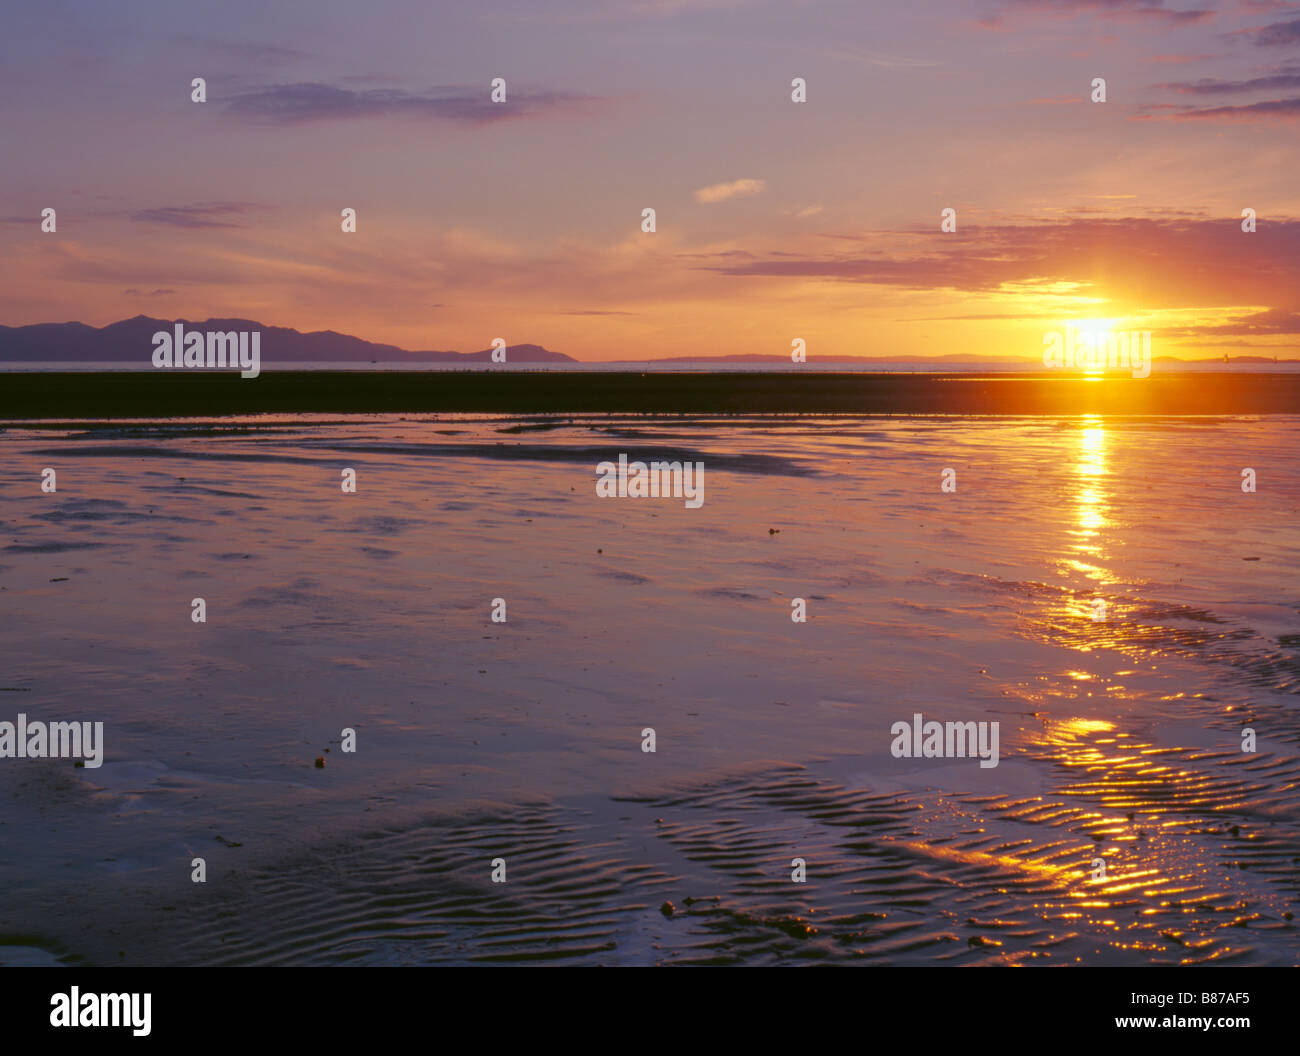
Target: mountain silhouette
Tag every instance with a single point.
(131, 341)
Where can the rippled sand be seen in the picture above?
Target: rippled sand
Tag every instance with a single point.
(1120, 739)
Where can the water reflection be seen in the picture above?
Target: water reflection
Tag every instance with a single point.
(1091, 515)
(1151, 877)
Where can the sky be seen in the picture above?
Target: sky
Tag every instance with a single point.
(774, 219)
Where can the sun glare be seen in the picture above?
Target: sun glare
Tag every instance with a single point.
(1094, 333)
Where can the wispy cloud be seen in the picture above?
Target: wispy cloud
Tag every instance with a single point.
(1278, 34)
(213, 214)
(290, 104)
(1212, 86)
(258, 52)
(1159, 260)
(1152, 11)
(1272, 109)
(1180, 58)
(591, 311)
(1254, 324)
(720, 192)
(882, 59)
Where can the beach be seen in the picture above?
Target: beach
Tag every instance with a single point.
(1121, 737)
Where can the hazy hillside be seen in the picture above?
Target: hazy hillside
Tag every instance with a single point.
(131, 340)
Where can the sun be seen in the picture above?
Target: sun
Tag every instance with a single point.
(1094, 331)
(1093, 334)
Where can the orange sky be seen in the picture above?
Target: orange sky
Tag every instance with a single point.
(775, 219)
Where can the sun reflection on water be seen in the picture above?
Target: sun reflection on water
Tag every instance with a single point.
(1091, 509)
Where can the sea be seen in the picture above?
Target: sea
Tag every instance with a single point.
(499, 645)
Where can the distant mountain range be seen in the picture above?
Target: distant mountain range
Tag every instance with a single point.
(952, 357)
(131, 340)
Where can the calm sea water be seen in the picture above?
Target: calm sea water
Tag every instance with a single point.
(1121, 738)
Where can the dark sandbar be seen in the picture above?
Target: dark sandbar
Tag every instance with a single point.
(178, 394)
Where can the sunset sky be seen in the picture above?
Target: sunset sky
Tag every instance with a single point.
(775, 219)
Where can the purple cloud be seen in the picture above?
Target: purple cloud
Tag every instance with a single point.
(1203, 261)
(291, 104)
(1122, 10)
(1211, 86)
(1283, 108)
(1279, 33)
(195, 216)
(1256, 324)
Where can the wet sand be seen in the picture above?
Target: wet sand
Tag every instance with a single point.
(1121, 739)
